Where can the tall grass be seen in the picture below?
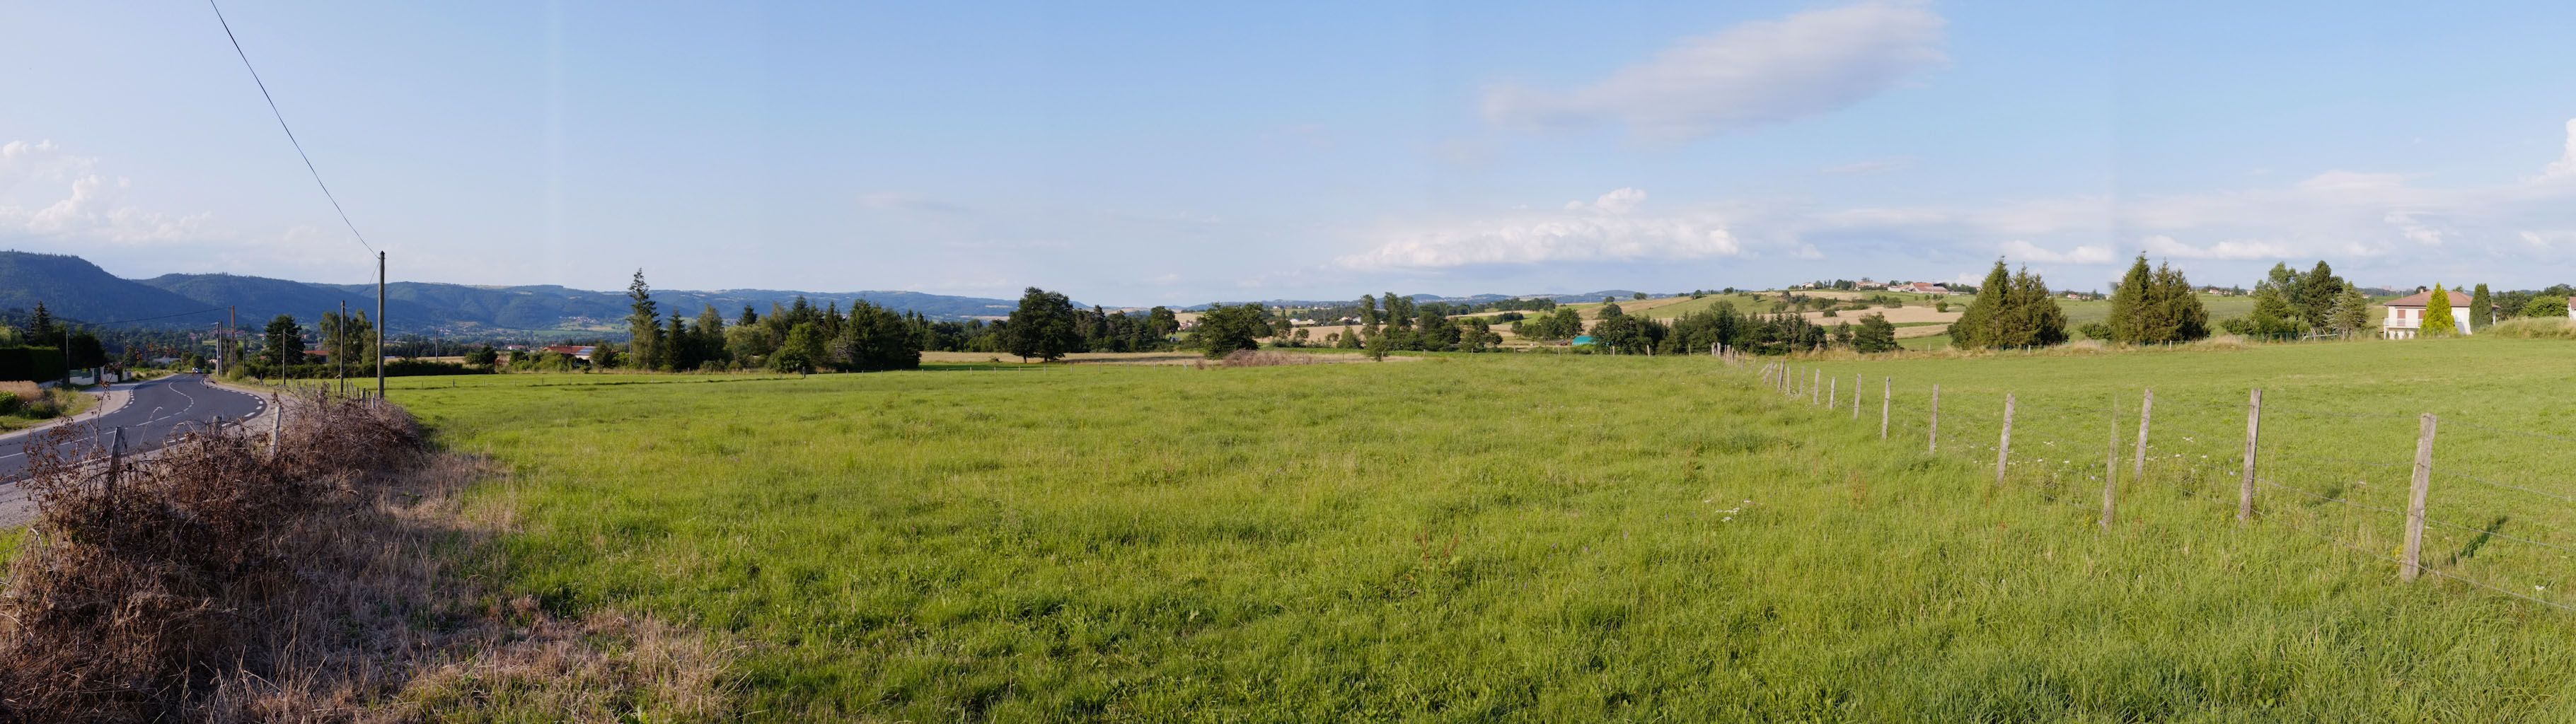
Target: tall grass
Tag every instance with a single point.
(1498, 537)
(2532, 328)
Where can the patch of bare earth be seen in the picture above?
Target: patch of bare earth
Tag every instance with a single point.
(340, 576)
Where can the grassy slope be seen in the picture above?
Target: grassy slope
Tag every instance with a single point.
(1537, 538)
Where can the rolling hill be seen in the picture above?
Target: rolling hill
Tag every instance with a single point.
(77, 290)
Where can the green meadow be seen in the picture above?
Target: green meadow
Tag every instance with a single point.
(1553, 538)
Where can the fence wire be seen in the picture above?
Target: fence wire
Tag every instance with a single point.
(2187, 440)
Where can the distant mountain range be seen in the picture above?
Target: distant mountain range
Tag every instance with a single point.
(77, 290)
(72, 288)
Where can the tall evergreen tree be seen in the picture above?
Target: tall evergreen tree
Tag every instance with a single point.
(40, 328)
(283, 342)
(2134, 304)
(2316, 295)
(643, 323)
(2437, 315)
(1975, 327)
(2178, 313)
(2352, 312)
(2481, 310)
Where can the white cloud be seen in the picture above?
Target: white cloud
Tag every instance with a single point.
(1616, 202)
(1747, 75)
(1606, 229)
(2565, 166)
(48, 192)
(2018, 250)
(2159, 245)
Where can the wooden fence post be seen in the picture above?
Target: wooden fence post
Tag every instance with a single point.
(276, 423)
(115, 462)
(2412, 564)
(2253, 434)
(2111, 465)
(2003, 447)
(1886, 394)
(1815, 386)
(1857, 393)
(1833, 395)
(1934, 435)
(2146, 416)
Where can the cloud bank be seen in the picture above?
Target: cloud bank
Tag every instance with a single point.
(1604, 229)
(1748, 75)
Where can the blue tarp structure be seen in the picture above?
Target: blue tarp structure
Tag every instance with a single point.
(1583, 340)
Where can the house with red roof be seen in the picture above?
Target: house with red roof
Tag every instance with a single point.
(2406, 314)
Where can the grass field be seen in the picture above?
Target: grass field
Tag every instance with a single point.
(1513, 538)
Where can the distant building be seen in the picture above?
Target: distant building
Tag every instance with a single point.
(579, 353)
(1919, 288)
(2406, 315)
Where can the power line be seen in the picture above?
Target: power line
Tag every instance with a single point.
(281, 125)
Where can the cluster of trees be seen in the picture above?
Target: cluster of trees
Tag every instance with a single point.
(1427, 326)
(2014, 312)
(47, 348)
(2289, 304)
(1047, 326)
(2153, 307)
(799, 338)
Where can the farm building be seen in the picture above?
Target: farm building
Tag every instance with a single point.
(1919, 288)
(2406, 314)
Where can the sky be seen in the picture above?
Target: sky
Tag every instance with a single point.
(1132, 153)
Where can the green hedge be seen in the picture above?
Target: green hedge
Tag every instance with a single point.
(393, 368)
(31, 363)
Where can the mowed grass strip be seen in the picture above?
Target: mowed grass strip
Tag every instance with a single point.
(1476, 538)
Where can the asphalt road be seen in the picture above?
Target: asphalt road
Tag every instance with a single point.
(157, 409)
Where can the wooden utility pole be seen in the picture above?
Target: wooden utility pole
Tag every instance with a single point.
(2003, 446)
(380, 325)
(2253, 434)
(340, 344)
(2412, 564)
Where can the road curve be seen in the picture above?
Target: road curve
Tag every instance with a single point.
(154, 410)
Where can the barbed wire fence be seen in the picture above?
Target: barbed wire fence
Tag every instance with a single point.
(2484, 505)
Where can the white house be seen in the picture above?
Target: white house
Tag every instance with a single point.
(2406, 315)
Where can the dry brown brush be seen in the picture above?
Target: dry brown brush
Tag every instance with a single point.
(324, 578)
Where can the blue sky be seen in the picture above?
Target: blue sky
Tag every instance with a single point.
(1188, 152)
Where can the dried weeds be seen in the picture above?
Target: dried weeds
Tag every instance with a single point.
(332, 577)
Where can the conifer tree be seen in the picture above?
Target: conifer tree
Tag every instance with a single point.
(2317, 293)
(2133, 305)
(2437, 315)
(644, 323)
(2481, 310)
(2180, 316)
(2352, 312)
(1975, 328)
